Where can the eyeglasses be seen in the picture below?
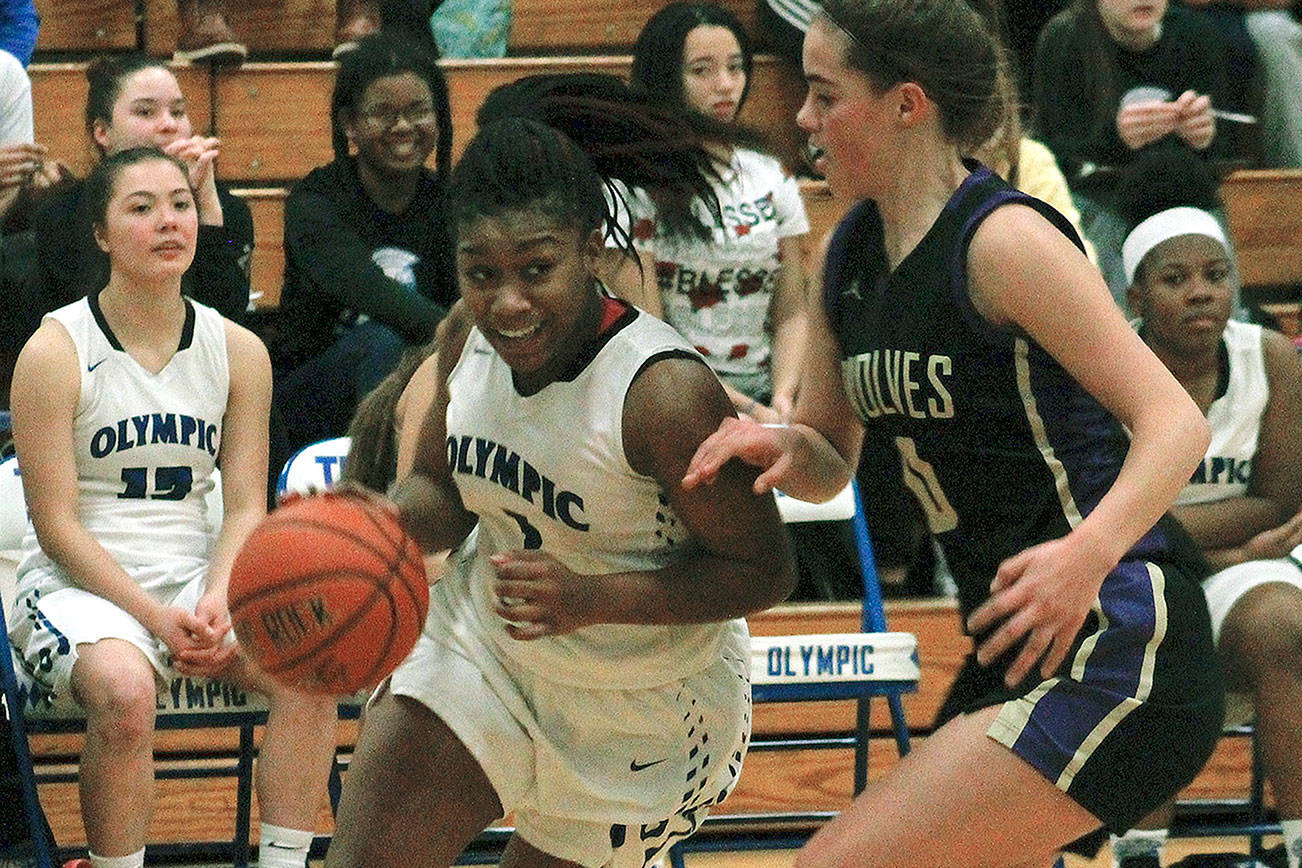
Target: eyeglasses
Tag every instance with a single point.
(386, 116)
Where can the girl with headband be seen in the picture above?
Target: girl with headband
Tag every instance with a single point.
(1243, 505)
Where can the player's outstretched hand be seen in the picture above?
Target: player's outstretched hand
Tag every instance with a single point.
(762, 446)
(539, 596)
(1039, 598)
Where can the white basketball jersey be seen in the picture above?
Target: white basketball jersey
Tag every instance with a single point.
(1235, 420)
(548, 471)
(145, 444)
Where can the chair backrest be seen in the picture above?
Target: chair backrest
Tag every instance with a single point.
(315, 467)
(846, 505)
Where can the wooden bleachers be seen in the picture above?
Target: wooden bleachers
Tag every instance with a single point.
(1265, 223)
(306, 27)
(1265, 214)
(273, 118)
(86, 26)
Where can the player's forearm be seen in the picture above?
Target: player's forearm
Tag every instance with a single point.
(236, 527)
(696, 589)
(93, 569)
(1165, 448)
(789, 336)
(431, 513)
(1227, 523)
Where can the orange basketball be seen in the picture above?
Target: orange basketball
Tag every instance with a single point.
(328, 594)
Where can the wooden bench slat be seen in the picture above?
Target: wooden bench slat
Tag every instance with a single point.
(1265, 217)
(86, 25)
(272, 26)
(771, 781)
(308, 26)
(556, 26)
(273, 118)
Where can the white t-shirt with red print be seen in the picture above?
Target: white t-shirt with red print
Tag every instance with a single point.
(717, 293)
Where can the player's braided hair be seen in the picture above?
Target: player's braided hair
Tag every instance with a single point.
(596, 130)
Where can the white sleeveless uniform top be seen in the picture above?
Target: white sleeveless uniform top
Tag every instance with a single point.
(548, 471)
(145, 445)
(1235, 420)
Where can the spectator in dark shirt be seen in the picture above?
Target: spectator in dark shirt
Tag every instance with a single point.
(368, 270)
(135, 100)
(1114, 77)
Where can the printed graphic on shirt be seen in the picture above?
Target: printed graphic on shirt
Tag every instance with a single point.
(397, 264)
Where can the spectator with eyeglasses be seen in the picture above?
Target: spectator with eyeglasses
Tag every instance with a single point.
(367, 265)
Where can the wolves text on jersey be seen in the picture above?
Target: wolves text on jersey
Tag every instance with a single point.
(889, 382)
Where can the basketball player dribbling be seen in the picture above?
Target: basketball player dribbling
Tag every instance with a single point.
(123, 405)
(584, 665)
(962, 316)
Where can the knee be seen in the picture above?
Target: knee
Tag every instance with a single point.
(119, 703)
(1262, 634)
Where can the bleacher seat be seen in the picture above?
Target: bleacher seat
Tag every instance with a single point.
(86, 26)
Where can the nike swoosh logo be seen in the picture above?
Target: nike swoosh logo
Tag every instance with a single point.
(635, 766)
(90, 368)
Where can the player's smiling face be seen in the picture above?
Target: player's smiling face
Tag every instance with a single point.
(150, 224)
(847, 119)
(394, 125)
(528, 280)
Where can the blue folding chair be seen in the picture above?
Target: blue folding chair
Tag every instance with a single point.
(859, 666)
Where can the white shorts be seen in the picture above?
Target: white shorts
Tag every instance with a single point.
(597, 777)
(46, 628)
(1223, 590)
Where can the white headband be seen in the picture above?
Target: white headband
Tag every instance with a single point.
(1165, 225)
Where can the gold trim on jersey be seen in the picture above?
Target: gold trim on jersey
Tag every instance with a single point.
(1020, 354)
(1157, 580)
